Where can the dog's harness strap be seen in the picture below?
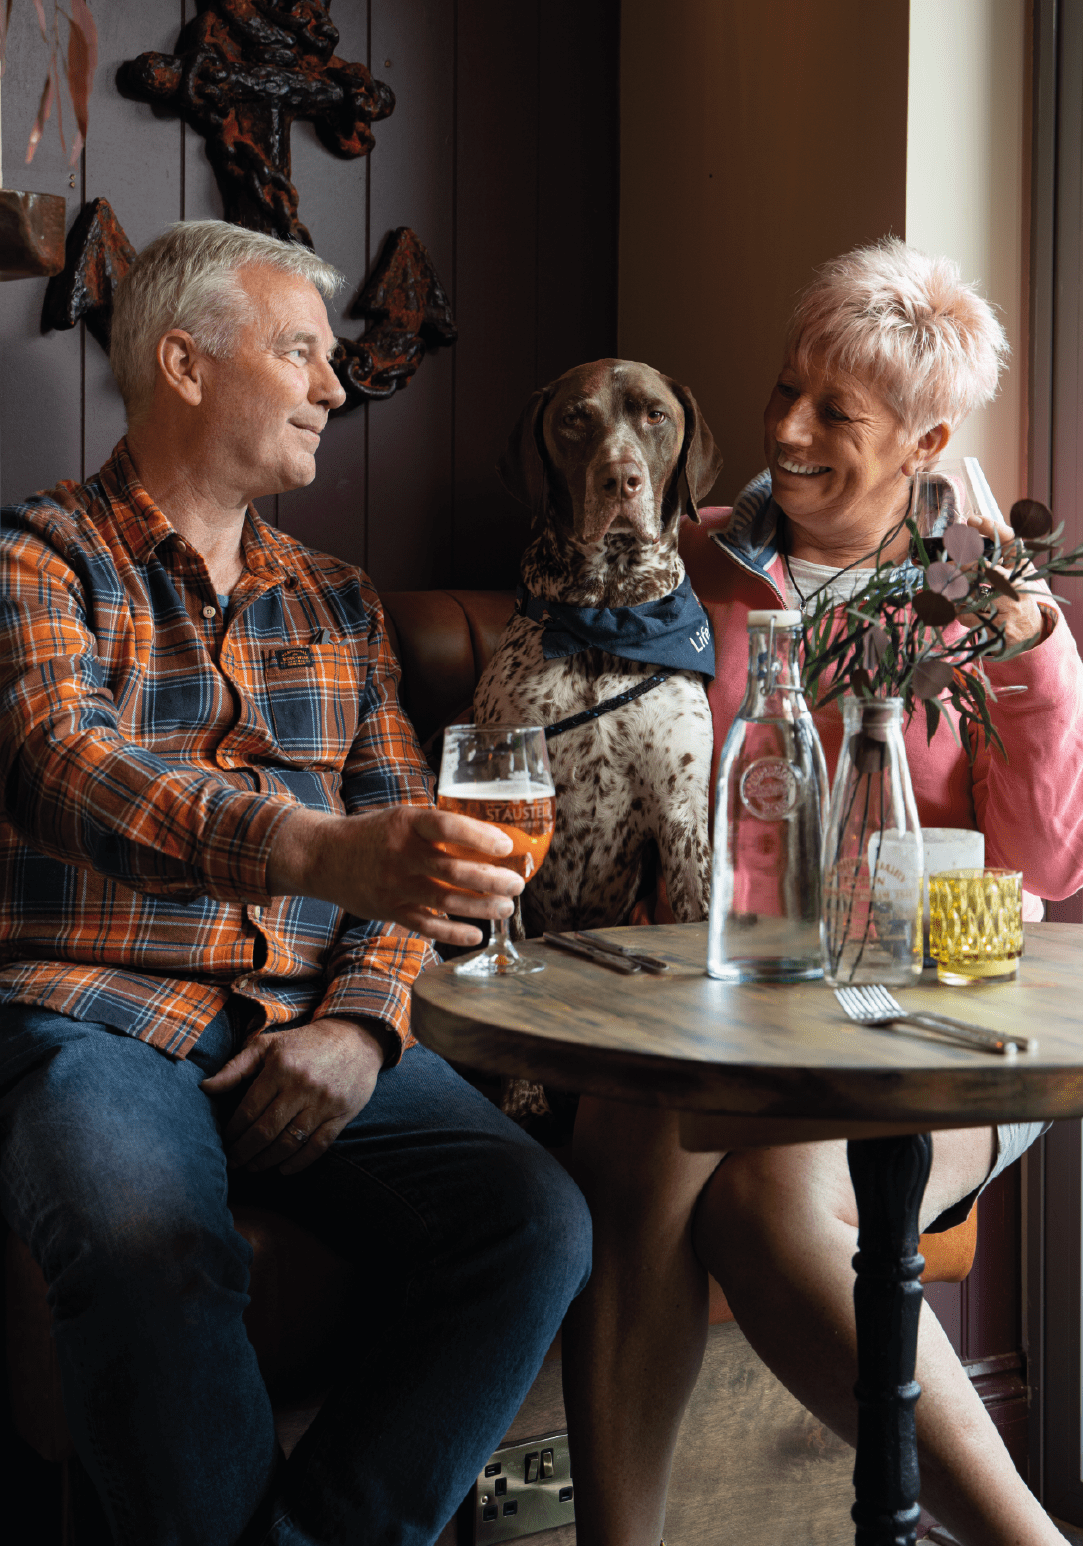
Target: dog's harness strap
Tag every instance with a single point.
(622, 698)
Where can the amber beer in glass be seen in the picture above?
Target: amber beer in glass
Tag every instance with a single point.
(500, 774)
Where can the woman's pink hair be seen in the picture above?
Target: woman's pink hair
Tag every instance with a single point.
(908, 326)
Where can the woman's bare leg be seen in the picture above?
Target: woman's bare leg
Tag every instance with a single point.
(633, 1341)
(778, 1228)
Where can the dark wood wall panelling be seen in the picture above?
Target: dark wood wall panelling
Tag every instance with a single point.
(501, 154)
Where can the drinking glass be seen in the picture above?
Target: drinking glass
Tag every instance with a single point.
(976, 924)
(947, 848)
(500, 774)
(947, 493)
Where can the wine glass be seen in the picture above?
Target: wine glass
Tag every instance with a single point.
(947, 493)
(500, 774)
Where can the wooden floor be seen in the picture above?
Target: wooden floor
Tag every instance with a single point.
(781, 1465)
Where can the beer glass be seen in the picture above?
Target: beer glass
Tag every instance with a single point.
(500, 774)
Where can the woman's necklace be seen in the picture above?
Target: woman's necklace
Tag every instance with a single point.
(795, 587)
(803, 600)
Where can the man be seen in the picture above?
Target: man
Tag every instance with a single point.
(210, 791)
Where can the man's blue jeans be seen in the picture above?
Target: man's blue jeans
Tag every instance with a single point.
(468, 1239)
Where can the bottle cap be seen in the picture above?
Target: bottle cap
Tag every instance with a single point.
(780, 619)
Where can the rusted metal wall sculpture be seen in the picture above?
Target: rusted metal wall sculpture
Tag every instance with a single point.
(408, 312)
(243, 71)
(97, 256)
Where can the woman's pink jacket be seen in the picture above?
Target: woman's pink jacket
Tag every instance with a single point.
(1029, 808)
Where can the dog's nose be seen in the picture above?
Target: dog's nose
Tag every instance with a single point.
(621, 480)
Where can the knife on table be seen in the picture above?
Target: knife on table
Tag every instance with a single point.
(591, 952)
(650, 963)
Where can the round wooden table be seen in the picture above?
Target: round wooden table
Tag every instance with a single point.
(750, 1064)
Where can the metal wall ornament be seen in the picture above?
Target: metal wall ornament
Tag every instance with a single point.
(409, 313)
(242, 72)
(97, 256)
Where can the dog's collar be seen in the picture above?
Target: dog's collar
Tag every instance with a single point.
(673, 631)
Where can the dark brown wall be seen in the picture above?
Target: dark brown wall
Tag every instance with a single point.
(501, 154)
(756, 142)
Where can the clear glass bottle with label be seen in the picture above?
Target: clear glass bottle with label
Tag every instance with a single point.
(872, 853)
(771, 799)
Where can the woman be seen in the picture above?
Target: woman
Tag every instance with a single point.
(887, 352)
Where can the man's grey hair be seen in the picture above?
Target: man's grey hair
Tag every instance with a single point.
(187, 278)
(907, 326)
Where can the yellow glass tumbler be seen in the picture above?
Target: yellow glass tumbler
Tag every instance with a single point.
(976, 924)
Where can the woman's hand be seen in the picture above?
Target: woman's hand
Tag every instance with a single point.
(1022, 620)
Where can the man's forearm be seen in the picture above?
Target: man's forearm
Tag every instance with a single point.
(92, 799)
(298, 860)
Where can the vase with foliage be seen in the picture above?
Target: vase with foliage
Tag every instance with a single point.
(914, 638)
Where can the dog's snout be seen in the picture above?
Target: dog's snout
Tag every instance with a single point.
(621, 480)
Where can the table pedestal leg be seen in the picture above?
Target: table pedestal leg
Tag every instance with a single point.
(889, 1176)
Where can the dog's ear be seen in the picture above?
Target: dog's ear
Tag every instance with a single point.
(521, 467)
(700, 461)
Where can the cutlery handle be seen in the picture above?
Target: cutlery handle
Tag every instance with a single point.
(973, 1036)
(650, 963)
(1022, 1043)
(591, 953)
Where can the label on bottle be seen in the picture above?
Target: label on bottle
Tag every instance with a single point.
(770, 788)
(895, 866)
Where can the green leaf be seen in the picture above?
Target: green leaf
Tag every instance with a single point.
(933, 718)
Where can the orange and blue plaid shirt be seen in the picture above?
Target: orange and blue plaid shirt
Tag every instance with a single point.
(150, 746)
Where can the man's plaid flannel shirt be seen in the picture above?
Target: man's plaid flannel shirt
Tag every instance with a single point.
(149, 749)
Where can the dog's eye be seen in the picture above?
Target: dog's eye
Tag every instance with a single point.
(656, 416)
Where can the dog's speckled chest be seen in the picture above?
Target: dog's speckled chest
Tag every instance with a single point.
(635, 774)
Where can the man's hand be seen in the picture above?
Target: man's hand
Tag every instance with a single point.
(395, 865)
(313, 1079)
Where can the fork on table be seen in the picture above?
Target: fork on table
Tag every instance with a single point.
(874, 1005)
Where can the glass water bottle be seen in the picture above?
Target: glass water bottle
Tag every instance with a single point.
(771, 800)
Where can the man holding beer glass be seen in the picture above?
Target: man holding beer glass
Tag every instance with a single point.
(501, 775)
(220, 859)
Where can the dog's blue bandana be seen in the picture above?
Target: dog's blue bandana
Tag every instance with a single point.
(674, 631)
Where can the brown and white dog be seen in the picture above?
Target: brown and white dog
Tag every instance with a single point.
(609, 457)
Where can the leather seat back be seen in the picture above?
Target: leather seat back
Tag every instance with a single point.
(444, 639)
